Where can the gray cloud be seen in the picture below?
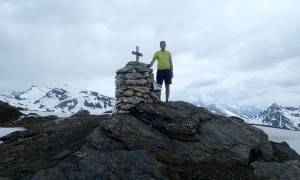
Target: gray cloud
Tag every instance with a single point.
(223, 51)
(205, 82)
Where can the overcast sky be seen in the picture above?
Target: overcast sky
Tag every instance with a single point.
(224, 51)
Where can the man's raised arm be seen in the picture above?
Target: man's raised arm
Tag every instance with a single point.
(152, 62)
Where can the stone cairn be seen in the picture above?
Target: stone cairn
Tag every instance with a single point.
(134, 85)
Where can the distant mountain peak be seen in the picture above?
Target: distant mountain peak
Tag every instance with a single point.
(238, 110)
(33, 86)
(280, 117)
(275, 106)
(211, 106)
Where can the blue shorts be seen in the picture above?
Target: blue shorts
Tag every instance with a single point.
(164, 75)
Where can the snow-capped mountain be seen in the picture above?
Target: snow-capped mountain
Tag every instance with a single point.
(61, 99)
(244, 112)
(195, 101)
(280, 117)
(225, 110)
(274, 116)
(250, 111)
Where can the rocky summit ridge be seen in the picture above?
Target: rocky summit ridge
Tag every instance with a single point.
(174, 140)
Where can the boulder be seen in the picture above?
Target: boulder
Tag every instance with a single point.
(283, 152)
(8, 113)
(81, 113)
(276, 170)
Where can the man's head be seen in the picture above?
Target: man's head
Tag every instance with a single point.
(162, 45)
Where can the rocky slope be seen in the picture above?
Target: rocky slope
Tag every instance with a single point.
(174, 140)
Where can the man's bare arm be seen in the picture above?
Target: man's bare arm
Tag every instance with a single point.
(171, 65)
(152, 62)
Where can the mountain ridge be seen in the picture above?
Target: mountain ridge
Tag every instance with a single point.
(279, 117)
(273, 116)
(243, 111)
(60, 99)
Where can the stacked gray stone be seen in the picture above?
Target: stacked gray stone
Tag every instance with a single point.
(134, 85)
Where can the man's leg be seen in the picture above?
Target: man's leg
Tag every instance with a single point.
(159, 80)
(159, 95)
(167, 92)
(168, 82)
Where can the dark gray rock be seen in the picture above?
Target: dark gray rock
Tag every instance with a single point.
(67, 103)
(81, 113)
(33, 121)
(174, 140)
(8, 114)
(44, 146)
(285, 165)
(276, 170)
(283, 152)
(170, 120)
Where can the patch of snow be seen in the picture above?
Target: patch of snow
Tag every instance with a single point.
(46, 113)
(6, 131)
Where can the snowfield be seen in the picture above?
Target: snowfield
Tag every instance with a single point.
(45, 113)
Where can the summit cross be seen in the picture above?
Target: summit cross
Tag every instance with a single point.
(137, 54)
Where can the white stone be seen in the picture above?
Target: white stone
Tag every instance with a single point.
(146, 96)
(141, 89)
(138, 94)
(126, 106)
(133, 76)
(136, 82)
(128, 92)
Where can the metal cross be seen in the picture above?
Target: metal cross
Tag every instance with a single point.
(137, 54)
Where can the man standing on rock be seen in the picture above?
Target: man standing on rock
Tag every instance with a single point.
(164, 67)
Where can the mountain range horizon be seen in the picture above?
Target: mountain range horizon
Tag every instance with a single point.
(193, 99)
(64, 100)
